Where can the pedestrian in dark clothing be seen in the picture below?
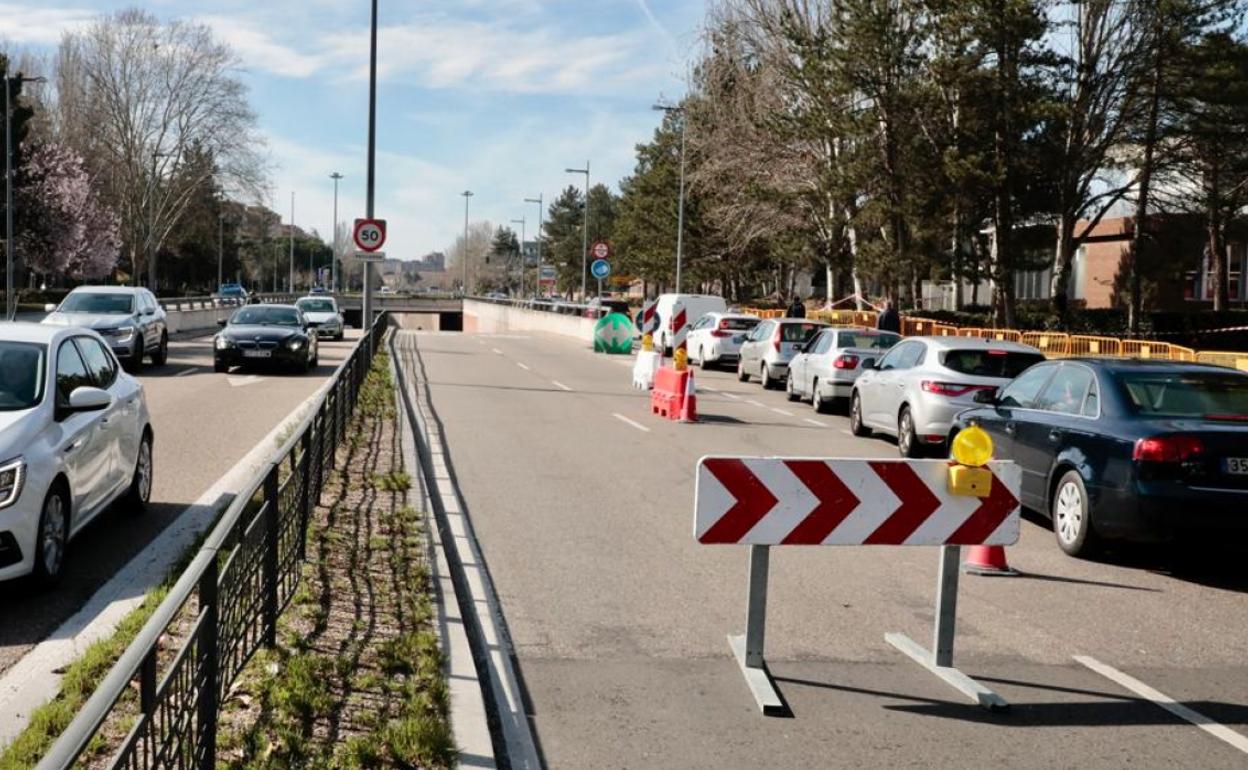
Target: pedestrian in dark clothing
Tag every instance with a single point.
(889, 321)
(797, 308)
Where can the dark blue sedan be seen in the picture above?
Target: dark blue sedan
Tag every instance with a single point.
(1124, 449)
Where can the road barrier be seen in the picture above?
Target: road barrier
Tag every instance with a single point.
(770, 501)
(234, 589)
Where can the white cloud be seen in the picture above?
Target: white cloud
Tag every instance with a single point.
(257, 50)
(40, 26)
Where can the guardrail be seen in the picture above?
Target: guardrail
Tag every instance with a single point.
(210, 302)
(229, 599)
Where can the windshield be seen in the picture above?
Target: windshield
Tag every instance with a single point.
(21, 375)
(1186, 394)
(990, 363)
(867, 340)
(797, 332)
(261, 315)
(112, 303)
(316, 305)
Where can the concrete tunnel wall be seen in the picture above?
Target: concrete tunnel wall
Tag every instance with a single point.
(492, 318)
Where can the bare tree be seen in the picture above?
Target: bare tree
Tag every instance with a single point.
(135, 96)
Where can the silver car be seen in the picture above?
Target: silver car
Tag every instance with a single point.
(323, 316)
(770, 346)
(827, 367)
(129, 319)
(919, 386)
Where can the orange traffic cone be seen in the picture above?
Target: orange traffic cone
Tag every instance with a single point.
(689, 406)
(987, 560)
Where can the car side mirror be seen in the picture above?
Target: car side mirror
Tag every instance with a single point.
(49, 308)
(987, 397)
(88, 399)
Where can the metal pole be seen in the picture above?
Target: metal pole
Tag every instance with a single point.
(290, 285)
(521, 222)
(537, 281)
(680, 216)
(366, 320)
(946, 605)
(220, 249)
(756, 606)
(585, 235)
(10, 304)
(151, 232)
(333, 266)
(463, 256)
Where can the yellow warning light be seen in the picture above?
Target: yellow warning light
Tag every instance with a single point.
(647, 341)
(680, 361)
(972, 446)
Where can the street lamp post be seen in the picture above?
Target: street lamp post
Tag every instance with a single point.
(521, 222)
(333, 265)
(290, 284)
(680, 215)
(220, 248)
(537, 281)
(367, 314)
(463, 255)
(584, 228)
(10, 290)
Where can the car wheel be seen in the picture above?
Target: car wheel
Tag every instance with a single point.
(340, 336)
(53, 533)
(742, 374)
(1072, 520)
(764, 376)
(817, 400)
(162, 352)
(702, 362)
(141, 480)
(907, 442)
(789, 390)
(220, 367)
(856, 425)
(136, 358)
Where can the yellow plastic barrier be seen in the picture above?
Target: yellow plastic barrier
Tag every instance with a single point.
(1146, 349)
(1090, 345)
(1224, 358)
(1053, 344)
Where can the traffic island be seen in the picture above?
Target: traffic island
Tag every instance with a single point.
(356, 678)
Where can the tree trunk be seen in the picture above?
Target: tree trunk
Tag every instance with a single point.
(1146, 175)
(1063, 254)
(956, 257)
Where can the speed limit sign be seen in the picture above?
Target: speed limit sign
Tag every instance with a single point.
(369, 234)
(600, 250)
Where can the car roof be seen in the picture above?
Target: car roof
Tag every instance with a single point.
(1152, 365)
(106, 290)
(270, 304)
(976, 343)
(814, 321)
(26, 331)
(327, 296)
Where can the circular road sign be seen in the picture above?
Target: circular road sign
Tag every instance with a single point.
(369, 234)
(600, 250)
(600, 269)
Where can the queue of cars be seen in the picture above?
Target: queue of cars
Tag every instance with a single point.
(1111, 449)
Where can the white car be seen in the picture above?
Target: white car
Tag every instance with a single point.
(716, 338)
(695, 305)
(827, 366)
(75, 436)
(323, 316)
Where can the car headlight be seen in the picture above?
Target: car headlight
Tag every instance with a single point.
(11, 477)
(295, 344)
(122, 334)
(224, 343)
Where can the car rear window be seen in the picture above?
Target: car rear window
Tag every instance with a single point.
(867, 340)
(990, 363)
(1186, 394)
(738, 324)
(797, 332)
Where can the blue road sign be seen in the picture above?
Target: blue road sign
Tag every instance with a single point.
(600, 269)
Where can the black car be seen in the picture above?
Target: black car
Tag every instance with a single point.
(1124, 449)
(267, 335)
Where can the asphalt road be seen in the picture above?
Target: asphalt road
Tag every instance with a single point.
(204, 423)
(582, 502)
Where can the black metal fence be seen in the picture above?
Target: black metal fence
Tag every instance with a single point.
(225, 605)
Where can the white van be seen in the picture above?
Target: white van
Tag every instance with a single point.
(696, 306)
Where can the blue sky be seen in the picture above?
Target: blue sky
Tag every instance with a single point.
(495, 96)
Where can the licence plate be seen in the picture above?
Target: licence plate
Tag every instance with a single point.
(257, 353)
(1236, 466)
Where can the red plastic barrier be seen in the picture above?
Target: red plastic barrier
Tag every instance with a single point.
(673, 395)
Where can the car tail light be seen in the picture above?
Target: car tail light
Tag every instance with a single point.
(846, 362)
(775, 341)
(1175, 448)
(952, 389)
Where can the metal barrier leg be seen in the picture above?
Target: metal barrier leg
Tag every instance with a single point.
(748, 649)
(940, 660)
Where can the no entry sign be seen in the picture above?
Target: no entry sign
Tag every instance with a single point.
(369, 234)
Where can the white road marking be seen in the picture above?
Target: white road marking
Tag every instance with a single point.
(752, 402)
(733, 396)
(186, 371)
(708, 390)
(1221, 732)
(239, 382)
(496, 350)
(560, 385)
(781, 411)
(847, 432)
(816, 423)
(633, 423)
(523, 366)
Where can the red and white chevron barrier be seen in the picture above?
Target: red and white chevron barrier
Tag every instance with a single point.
(781, 501)
(679, 329)
(649, 318)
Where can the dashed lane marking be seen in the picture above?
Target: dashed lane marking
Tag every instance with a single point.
(733, 396)
(239, 382)
(1221, 732)
(496, 350)
(633, 423)
(186, 371)
(560, 385)
(782, 411)
(752, 402)
(523, 366)
(816, 423)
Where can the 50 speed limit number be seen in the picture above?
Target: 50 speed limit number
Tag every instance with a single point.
(369, 234)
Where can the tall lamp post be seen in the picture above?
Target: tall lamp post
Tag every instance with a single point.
(537, 282)
(680, 215)
(520, 222)
(333, 265)
(366, 317)
(584, 227)
(10, 295)
(463, 257)
(220, 248)
(290, 284)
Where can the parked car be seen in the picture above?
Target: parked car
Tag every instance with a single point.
(75, 437)
(768, 348)
(323, 316)
(265, 334)
(916, 389)
(1124, 449)
(695, 305)
(129, 318)
(233, 293)
(597, 307)
(716, 338)
(827, 366)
